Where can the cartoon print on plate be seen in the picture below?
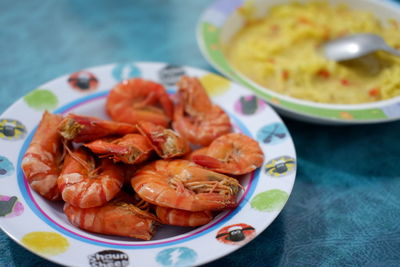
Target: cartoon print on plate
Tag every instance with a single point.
(170, 74)
(236, 234)
(249, 105)
(280, 166)
(125, 71)
(41, 99)
(6, 167)
(215, 84)
(46, 243)
(272, 134)
(109, 258)
(10, 206)
(271, 200)
(176, 257)
(11, 129)
(83, 81)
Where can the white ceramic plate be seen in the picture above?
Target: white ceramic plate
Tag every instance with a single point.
(222, 20)
(40, 225)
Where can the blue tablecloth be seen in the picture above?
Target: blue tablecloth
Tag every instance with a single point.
(345, 206)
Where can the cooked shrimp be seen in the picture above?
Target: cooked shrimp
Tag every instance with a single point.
(85, 185)
(131, 148)
(233, 153)
(199, 151)
(117, 217)
(137, 100)
(166, 142)
(42, 160)
(183, 217)
(195, 117)
(181, 184)
(84, 128)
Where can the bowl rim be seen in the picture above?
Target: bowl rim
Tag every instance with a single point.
(295, 107)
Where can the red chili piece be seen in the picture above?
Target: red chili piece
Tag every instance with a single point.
(374, 92)
(345, 82)
(324, 73)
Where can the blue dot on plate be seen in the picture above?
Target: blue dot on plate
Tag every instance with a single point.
(176, 257)
(272, 134)
(6, 167)
(125, 71)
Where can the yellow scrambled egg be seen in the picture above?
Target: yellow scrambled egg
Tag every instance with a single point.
(282, 52)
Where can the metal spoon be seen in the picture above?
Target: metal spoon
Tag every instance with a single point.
(356, 45)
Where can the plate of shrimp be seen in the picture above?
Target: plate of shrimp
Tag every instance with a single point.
(141, 163)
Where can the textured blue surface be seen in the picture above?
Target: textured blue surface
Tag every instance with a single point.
(345, 206)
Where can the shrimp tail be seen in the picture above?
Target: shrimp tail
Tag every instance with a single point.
(207, 161)
(102, 147)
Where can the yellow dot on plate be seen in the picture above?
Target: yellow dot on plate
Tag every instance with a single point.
(214, 84)
(346, 115)
(46, 243)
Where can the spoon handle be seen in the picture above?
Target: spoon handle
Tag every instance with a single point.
(391, 50)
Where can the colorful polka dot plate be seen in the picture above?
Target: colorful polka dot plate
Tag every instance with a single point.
(40, 225)
(224, 18)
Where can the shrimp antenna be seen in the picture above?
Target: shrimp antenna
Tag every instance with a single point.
(78, 159)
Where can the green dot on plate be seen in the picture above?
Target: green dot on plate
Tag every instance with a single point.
(41, 99)
(271, 200)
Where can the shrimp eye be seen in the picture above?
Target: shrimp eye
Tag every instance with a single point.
(236, 235)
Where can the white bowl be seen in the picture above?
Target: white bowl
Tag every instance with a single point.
(221, 21)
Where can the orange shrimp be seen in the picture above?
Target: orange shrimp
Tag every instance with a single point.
(199, 151)
(84, 128)
(166, 142)
(85, 185)
(137, 100)
(131, 148)
(42, 160)
(181, 184)
(233, 153)
(117, 217)
(195, 117)
(183, 217)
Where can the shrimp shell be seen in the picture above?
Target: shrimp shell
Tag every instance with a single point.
(115, 218)
(42, 160)
(233, 153)
(183, 217)
(84, 185)
(85, 128)
(195, 117)
(130, 149)
(181, 184)
(137, 100)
